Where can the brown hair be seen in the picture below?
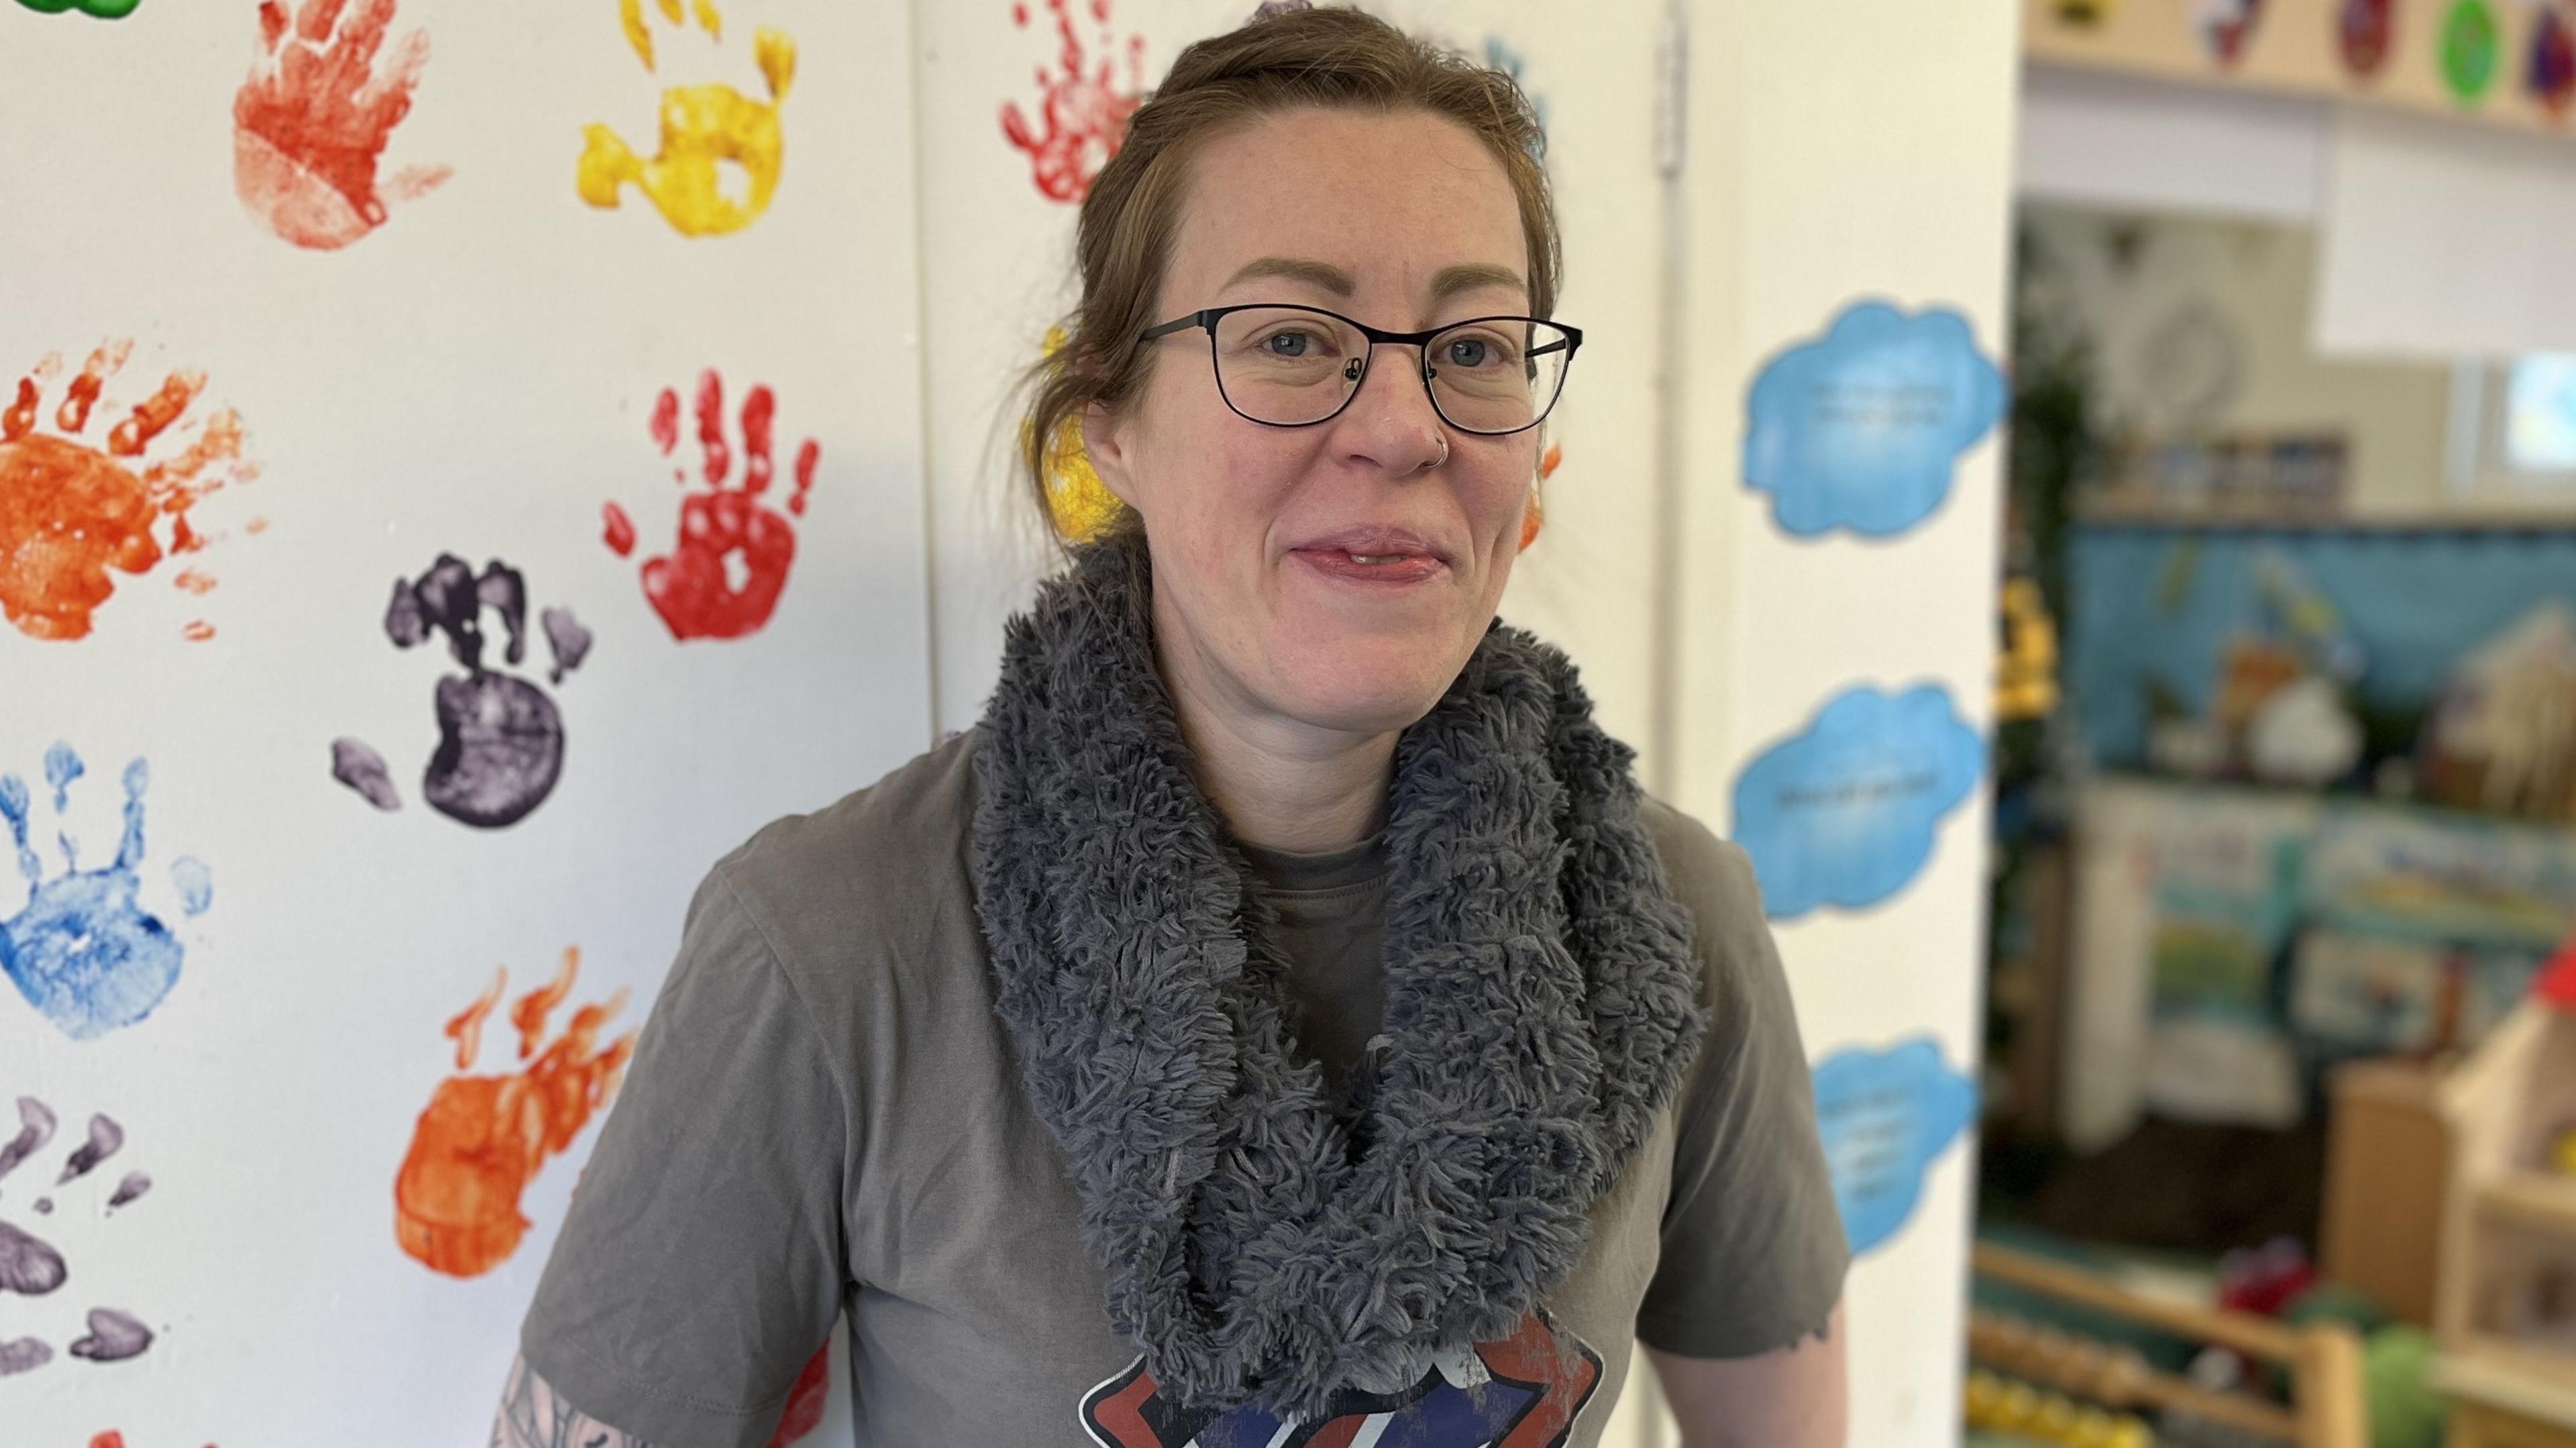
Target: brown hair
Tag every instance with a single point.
(1333, 58)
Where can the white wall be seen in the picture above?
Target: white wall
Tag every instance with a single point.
(1839, 152)
(475, 376)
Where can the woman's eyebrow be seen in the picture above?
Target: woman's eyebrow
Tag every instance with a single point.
(1296, 269)
(1448, 282)
(1471, 276)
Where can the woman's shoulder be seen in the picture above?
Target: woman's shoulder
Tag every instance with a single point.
(1713, 880)
(881, 863)
(1711, 877)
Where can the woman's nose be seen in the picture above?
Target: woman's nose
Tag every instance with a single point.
(1392, 422)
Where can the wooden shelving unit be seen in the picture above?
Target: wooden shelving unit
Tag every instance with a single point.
(2510, 1228)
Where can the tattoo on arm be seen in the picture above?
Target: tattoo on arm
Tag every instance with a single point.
(534, 1415)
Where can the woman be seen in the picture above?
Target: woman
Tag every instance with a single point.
(1281, 1020)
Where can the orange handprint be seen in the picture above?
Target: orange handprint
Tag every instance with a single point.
(311, 123)
(483, 1138)
(70, 510)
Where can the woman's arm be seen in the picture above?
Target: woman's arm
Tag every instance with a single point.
(533, 1415)
(1792, 1397)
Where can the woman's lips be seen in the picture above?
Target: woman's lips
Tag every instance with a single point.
(1388, 568)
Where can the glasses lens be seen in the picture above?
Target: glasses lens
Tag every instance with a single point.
(1497, 375)
(1286, 365)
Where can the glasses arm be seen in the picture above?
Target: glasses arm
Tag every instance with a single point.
(1194, 319)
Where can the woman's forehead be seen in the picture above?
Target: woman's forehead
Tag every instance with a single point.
(1345, 204)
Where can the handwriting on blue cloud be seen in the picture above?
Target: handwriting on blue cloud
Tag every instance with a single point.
(1885, 1117)
(1843, 813)
(1863, 429)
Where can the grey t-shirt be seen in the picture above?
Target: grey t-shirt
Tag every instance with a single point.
(824, 1115)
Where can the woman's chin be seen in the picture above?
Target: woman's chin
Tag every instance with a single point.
(1369, 685)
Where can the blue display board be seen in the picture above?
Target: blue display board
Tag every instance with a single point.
(1844, 812)
(1862, 428)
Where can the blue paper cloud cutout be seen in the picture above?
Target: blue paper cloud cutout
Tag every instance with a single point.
(1886, 1116)
(1843, 813)
(1863, 428)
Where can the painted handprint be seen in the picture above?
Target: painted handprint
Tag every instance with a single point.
(98, 9)
(73, 508)
(500, 737)
(1082, 113)
(805, 1401)
(483, 1138)
(31, 1267)
(310, 125)
(703, 126)
(724, 572)
(84, 951)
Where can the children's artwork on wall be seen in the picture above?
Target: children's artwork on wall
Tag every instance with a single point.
(101, 9)
(1885, 1117)
(2550, 74)
(704, 127)
(2471, 46)
(76, 507)
(1083, 104)
(2362, 31)
(441, 727)
(1862, 428)
(2225, 26)
(84, 950)
(311, 124)
(500, 737)
(1844, 812)
(483, 1139)
(807, 1397)
(33, 1267)
(727, 567)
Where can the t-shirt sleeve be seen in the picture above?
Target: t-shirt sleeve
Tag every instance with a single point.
(702, 1261)
(1753, 1250)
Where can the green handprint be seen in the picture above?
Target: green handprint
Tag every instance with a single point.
(101, 9)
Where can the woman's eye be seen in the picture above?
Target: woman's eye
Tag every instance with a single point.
(1471, 351)
(1288, 344)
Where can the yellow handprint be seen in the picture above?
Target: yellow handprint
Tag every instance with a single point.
(702, 125)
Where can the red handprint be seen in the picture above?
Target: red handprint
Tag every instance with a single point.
(1082, 115)
(806, 1400)
(483, 1138)
(724, 573)
(311, 123)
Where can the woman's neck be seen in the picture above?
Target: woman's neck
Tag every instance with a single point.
(1281, 784)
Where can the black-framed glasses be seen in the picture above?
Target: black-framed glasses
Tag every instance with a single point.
(1291, 366)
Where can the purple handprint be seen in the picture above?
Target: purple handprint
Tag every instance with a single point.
(31, 1267)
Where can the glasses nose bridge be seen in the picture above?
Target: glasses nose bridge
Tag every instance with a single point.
(1367, 363)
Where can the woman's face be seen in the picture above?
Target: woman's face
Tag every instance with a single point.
(1338, 575)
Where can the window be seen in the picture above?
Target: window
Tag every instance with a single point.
(2540, 413)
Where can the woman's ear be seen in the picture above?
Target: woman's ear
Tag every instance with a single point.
(1104, 443)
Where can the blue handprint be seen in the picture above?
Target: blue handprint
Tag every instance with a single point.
(84, 950)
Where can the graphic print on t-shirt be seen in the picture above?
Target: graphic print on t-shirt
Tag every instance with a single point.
(1522, 1391)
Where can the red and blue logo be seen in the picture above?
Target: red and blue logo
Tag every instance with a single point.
(1522, 1391)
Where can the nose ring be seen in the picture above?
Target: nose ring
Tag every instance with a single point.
(1444, 452)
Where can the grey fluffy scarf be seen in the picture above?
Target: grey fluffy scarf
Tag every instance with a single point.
(1542, 1005)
